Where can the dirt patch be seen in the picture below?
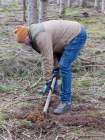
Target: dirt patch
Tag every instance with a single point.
(84, 107)
(20, 113)
(36, 116)
(76, 117)
(80, 120)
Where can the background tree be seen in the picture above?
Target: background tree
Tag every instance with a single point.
(43, 10)
(68, 3)
(97, 4)
(32, 11)
(24, 10)
(103, 6)
(82, 3)
(58, 2)
(62, 7)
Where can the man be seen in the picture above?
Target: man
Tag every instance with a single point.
(59, 43)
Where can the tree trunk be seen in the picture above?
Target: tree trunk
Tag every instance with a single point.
(32, 12)
(62, 7)
(82, 3)
(103, 6)
(96, 4)
(58, 2)
(1, 2)
(43, 10)
(68, 3)
(24, 10)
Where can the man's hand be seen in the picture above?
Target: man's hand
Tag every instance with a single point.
(56, 73)
(47, 87)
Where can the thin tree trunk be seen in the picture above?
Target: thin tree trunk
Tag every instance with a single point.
(58, 2)
(103, 6)
(32, 12)
(24, 10)
(96, 4)
(82, 3)
(68, 3)
(62, 7)
(43, 10)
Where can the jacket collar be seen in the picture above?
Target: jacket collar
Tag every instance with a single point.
(33, 44)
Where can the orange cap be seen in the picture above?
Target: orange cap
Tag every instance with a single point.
(21, 33)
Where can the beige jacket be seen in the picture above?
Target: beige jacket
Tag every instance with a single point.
(50, 38)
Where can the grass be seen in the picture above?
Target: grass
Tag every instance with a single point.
(85, 83)
(24, 123)
(72, 12)
(8, 7)
(96, 31)
(3, 115)
(23, 76)
(4, 89)
(101, 82)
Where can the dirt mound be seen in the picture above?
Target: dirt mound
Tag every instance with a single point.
(35, 115)
(41, 120)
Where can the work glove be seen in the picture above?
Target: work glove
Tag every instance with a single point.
(47, 87)
(56, 73)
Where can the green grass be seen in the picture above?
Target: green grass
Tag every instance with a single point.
(11, 6)
(89, 23)
(72, 12)
(85, 83)
(24, 123)
(101, 82)
(4, 88)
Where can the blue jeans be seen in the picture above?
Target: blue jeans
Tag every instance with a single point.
(70, 53)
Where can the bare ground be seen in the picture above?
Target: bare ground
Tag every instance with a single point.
(21, 105)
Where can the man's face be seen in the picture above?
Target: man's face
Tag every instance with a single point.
(27, 41)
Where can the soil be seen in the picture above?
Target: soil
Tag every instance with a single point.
(75, 117)
(21, 101)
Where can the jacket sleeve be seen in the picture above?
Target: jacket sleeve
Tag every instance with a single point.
(44, 42)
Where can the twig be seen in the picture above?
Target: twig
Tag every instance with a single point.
(101, 65)
(9, 133)
(28, 136)
(92, 136)
(3, 138)
(40, 134)
(34, 85)
(59, 136)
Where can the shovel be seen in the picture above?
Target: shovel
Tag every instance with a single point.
(49, 96)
